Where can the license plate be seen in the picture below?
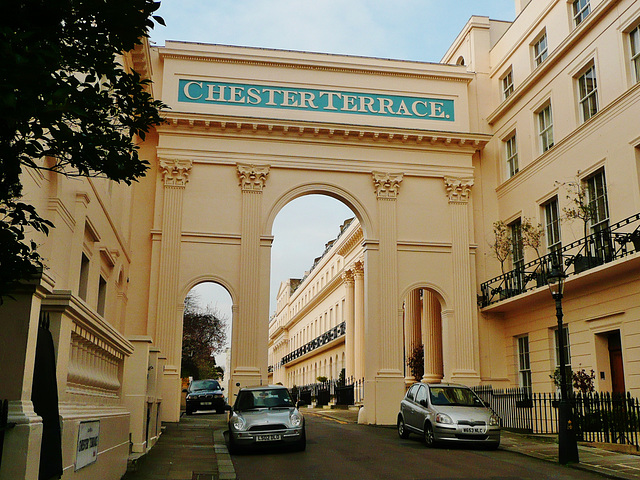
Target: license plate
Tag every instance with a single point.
(268, 438)
(206, 403)
(480, 430)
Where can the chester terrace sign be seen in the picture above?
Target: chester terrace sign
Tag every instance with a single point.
(192, 91)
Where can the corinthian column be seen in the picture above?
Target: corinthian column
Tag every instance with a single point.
(175, 174)
(412, 328)
(347, 278)
(431, 337)
(246, 355)
(465, 328)
(358, 309)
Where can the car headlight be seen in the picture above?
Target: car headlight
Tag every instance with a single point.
(442, 418)
(296, 419)
(238, 422)
(494, 421)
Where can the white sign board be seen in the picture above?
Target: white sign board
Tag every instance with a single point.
(87, 451)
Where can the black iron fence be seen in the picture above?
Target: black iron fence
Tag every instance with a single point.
(598, 417)
(609, 244)
(4, 424)
(339, 392)
(319, 341)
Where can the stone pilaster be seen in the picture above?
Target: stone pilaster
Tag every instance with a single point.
(175, 175)
(431, 337)
(387, 186)
(465, 331)
(246, 357)
(349, 281)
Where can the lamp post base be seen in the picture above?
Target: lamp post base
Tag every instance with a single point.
(567, 443)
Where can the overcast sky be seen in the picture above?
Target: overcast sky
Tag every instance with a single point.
(420, 30)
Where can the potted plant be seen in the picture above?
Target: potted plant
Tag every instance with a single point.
(580, 208)
(501, 247)
(415, 362)
(532, 237)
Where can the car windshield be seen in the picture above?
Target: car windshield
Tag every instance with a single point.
(204, 385)
(457, 396)
(257, 399)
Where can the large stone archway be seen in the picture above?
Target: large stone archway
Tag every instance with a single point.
(247, 133)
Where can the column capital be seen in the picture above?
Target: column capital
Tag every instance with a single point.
(458, 189)
(252, 177)
(387, 185)
(175, 173)
(358, 269)
(347, 277)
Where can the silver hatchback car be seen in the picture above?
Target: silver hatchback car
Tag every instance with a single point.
(447, 413)
(265, 416)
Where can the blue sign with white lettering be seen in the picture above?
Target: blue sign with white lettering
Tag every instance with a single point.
(308, 99)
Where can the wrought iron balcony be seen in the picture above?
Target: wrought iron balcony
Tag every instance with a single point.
(612, 243)
(326, 337)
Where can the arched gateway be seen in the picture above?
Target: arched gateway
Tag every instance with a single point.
(250, 130)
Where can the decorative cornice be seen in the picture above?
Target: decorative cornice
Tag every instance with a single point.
(175, 172)
(387, 184)
(252, 177)
(458, 189)
(415, 70)
(353, 240)
(293, 130)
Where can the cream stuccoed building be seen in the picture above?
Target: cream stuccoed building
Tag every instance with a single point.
(516, 122)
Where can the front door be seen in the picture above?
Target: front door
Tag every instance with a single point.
(617, 366)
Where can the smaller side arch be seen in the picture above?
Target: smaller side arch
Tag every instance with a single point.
(442, 296)
(208, 278)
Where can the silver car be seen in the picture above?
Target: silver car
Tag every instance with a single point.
(447, 413)
(265, 416)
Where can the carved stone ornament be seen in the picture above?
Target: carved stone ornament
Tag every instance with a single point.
(175, 172)
(347, 277)
(252, 177)
(458, 189)
(387, 184)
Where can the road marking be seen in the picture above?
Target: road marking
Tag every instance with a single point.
(342, 422)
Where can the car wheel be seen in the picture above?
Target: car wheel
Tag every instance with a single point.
(189, 411)
(220, 410)
(302, 443)
(429, 437)
(402, 429)
(232, 447)
(494, 445)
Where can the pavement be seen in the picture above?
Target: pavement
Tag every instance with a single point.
(195, 449)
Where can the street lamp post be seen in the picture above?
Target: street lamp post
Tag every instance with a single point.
(567, 444)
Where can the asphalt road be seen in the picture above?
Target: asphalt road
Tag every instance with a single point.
(338, 451)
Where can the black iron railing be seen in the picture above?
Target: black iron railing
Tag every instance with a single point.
(609, 244)
(341, 392)
(326, 337)
(4, 424)
(599, 417)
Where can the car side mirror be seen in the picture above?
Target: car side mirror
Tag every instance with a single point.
(184, 390)
(221, 389)
(228, 408)
(301, 403)
(423, 403)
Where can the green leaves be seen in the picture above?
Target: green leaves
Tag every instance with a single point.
(64, 95)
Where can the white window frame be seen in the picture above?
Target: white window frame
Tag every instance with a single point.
(540, 49)
(545, 127)
(552, 224)
(596, 187)
(507, 84)
(634, 49)
(524, 363)
(511, 149)
(588, 93)
(581, 10)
